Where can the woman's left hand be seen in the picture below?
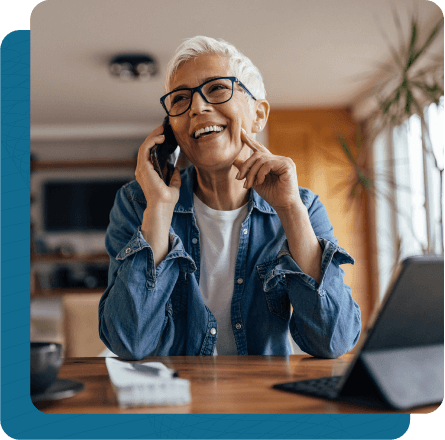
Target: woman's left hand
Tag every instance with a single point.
(273, 177)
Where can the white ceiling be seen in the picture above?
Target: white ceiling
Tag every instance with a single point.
(317, 53)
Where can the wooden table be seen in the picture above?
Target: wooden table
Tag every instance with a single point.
(220, 384)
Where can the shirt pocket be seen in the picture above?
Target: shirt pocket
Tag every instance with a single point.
(274, 284)
(177, 303)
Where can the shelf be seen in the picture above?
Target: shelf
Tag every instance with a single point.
(57, 258)
(66, 291)
(38, 261)
(82, 163)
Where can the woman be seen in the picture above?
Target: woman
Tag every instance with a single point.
(212, 263)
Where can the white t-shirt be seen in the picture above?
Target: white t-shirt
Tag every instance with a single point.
(219, 240)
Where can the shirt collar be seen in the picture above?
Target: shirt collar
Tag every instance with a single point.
(185, 202)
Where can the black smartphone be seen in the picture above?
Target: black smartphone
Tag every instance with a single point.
(163, 156)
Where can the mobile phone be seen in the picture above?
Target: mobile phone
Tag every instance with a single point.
(164, 156)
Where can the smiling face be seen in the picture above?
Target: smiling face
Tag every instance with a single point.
(217, 148)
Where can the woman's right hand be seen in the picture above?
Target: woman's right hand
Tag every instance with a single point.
(154, 188)
(161, 199)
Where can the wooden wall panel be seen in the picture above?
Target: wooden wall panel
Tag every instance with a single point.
(309, 137)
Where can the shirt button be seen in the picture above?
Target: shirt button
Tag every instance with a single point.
(238, 326)
(245, 231)
(128, 250)
(239, 281)
(194, 240)
(213, 331)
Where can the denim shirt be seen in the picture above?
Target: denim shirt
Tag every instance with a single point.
(148, 310)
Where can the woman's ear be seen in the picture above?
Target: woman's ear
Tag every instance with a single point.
(261, 115)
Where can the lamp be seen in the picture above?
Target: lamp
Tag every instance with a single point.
(133, 66)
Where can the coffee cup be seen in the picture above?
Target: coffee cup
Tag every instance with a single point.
(46, 359)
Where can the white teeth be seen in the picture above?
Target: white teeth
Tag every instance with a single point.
(216, 128)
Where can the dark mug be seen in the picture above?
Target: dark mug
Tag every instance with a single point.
(46, 359)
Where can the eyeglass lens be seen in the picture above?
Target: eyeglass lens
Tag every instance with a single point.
(215, 92)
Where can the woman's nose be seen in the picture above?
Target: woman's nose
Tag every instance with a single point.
(198, 104)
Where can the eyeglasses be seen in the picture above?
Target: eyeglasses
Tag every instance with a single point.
(213, 91)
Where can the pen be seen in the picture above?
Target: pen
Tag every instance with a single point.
(153, 371)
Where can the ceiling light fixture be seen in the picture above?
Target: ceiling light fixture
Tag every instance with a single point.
(133, 66)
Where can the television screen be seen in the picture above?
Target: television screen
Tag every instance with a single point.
(79, 205)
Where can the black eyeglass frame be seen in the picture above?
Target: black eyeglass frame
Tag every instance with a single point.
(198, 89)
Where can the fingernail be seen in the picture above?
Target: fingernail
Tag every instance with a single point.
(242, 129)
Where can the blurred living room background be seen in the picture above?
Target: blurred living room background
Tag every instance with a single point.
(356, 94)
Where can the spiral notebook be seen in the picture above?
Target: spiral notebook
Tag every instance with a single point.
(146, 384)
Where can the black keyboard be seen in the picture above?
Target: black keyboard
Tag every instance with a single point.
(324, 387)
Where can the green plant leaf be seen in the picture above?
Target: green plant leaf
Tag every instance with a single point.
(353, 189)
(428, 41)
(394, 53)
(345, 146)
(434, 92)
(365, 181)
(409, 101)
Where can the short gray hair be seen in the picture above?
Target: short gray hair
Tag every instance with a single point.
(240, 65)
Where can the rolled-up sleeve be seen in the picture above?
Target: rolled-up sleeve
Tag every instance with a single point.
(326, 320)
(132, 310)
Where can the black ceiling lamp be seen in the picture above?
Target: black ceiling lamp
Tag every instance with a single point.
(133, 66)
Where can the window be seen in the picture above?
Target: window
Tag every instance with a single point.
(407, 164)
